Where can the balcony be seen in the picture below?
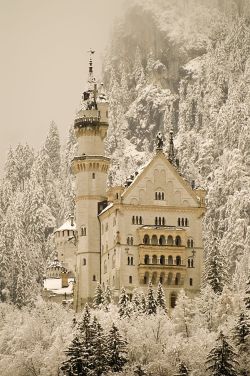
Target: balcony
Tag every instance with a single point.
(162, 236)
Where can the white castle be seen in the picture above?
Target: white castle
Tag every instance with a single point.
(150, 229)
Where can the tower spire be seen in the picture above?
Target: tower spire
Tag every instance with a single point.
(91, 78)
(171, 153)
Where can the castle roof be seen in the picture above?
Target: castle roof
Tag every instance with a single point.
(67, 226)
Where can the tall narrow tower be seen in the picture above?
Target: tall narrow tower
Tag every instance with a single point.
(90, 167)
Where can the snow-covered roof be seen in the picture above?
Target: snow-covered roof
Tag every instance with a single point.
(55, 264)
(137, 174)
(67, 226)
(55, 285)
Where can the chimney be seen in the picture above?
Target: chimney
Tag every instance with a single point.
(65, 280)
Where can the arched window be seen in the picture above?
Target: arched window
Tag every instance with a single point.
(132, 261)
(154, 240)
(93, 175)
(154, 278)
(178, 260)
(179, 221)
(128, 260)
(156, 221)
(192, 263)
(128, 240)
(146, 259)
(137, 220)
(173, 300)
(83, 231)
(170, 260)
(130, 279)
(146, 278)
(133, 220)
(154, 259)
(170, 240)
(162, 196)
(162, 260)
(84, 261)
(186, 222)
(178, 241)
(170, 278)
(191, 281)
(156, 196)
(162, 240)
(159, 221)
(140, 220)
(146, 239)
(163, 221)
(162, 278)
(94, 278)
(189, 263)
(177, 279)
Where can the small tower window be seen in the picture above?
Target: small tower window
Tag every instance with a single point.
(84, 261)
(93, 175)
(83, 231)
(191, 281)
(130, 279)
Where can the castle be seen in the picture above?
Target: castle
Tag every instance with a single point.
(149, 229)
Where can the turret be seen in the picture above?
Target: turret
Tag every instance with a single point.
(90, 167)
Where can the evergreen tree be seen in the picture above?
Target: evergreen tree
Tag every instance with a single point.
(99, 355)
(107, 297)
(183, 370)
(183, 314)
(72, 366)
(160, 298)
(242, 331)
(98, 297)
(247, 295)
(117, 350)
(123, 304)
(151, 305)
(221, 361)
(52, 148)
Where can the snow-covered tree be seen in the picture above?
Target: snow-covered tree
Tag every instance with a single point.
(117, 350)
(160, 298)
(222, 359)
(151, 304)
(98, 297)
(123, 304)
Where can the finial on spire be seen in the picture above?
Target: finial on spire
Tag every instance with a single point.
(159, 141)
(171, 153)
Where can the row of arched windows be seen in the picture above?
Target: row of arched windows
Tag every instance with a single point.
(183, 222)
(160, 221)
(162, 240)
(162, 260)
(136, 220)
(159, 196)
(169, 279)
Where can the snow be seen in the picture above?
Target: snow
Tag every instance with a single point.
(67, 226)
(55, 286)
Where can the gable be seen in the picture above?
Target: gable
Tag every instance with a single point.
(160, 184)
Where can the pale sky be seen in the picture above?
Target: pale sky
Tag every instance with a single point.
(44, 62)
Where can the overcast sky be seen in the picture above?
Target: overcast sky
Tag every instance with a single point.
(44, 62)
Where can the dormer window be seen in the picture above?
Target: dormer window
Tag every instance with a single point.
(159, 195)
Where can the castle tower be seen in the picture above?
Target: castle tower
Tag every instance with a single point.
(90, 167)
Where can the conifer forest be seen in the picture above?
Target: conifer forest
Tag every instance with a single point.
(181, 65)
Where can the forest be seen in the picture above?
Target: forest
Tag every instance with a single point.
(181, 66)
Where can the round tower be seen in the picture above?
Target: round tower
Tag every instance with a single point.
(90, 167)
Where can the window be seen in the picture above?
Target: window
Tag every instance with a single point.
(84, 261)
(183, 222)
(146, 259)
(132, 261)
(93, 175)
(146, 239)
(191, 281)
(159, 196)
(190, 243)
(170, 240)
(178, 241)
(146, 278)
(83, 231)
(133, 220)
(117, 196)
(159, 221)
(128, 260)
(173, 300)
(137, 220)
(154, 259)
(154, 240)
(130, 240)
(94, 278)
(130, 279)
(162, 260)
(178, 260)
(170, 260)
(162, 240)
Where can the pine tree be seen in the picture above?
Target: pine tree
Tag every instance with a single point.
(98, 297)
(242, 331)
(247, 295)
(107, 297)
(52, 148)
(123, 304)
(72, 366)
(221, 361)
(151, 306)
(160, 298)
(117, 350)
(99, 356)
